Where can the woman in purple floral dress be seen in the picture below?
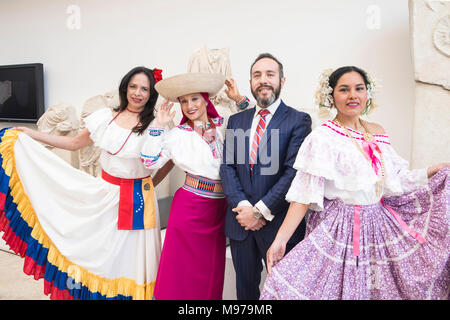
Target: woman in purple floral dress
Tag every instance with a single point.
(375, 229)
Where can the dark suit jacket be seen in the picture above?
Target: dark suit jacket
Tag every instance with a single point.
(266, 183)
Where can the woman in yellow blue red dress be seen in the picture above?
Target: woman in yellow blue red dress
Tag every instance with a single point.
(89, 238)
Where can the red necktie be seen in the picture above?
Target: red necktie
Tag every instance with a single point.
(258, 135)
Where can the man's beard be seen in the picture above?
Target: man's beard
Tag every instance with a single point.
(265, 102)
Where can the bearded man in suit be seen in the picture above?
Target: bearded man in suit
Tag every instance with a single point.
(260, 148)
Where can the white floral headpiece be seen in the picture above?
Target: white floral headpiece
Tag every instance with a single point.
(324, 97)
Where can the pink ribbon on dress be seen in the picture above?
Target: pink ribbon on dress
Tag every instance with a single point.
(403, 224)
(369, 147)
(357, 228)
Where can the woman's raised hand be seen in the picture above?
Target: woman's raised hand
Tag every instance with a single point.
(164, 116)
(232, 90)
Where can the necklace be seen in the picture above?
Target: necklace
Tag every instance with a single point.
(368, 137)
(129, 110)
(126, 140)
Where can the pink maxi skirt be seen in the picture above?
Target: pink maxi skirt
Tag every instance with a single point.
(192, 265)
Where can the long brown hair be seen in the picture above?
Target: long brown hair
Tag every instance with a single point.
(146, 116)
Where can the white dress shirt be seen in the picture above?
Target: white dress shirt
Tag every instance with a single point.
(260, 205)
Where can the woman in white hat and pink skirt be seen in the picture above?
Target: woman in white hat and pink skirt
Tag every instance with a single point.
(192, 263)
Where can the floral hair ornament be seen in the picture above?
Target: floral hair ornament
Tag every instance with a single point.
(372, 88)
(157, 73)
(324, 94)
(324, 98)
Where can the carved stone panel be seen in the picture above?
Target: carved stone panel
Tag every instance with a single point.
(430, 40)
(61, 120)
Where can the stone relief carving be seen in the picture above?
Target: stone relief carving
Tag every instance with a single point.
(60, 119)
(441, 32)
(436, 5)
(441, 35)
(431, 41)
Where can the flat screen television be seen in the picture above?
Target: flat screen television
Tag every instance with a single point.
(21, 92)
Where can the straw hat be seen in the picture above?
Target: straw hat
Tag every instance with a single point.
(173, 87)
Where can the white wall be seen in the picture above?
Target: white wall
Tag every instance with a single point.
(307, 36)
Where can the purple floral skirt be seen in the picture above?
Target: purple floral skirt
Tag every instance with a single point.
(392, 264)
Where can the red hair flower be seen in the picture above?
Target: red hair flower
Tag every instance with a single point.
(157, 74)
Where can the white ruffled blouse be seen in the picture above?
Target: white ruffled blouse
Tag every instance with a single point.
(110, 137)
(329, 165)
(186, 148)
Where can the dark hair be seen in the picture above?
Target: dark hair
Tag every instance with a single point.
(338, 73)
(268, 55)
(146, 116)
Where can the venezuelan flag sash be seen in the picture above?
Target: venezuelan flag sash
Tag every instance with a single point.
(136, 204)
